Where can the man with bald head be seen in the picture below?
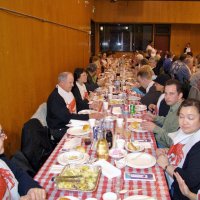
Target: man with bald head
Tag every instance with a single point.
(61, 107)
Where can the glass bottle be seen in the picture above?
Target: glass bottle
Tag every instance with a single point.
(109, 138)
(102, 146)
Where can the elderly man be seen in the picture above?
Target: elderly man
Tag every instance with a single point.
(61, 107)
(14, 182)
(144, 77)
(160, 125)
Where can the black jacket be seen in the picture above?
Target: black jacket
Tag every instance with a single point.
(151, 97)
(58, 114)
(25, 181)
(35, 143)
(80, 103)
(190, 172)
(90, 85)
(163, 109)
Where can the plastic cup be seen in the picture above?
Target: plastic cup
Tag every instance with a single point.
(105, 105)
(120, 96)
(109, 196)
(110, 96)
(110, 88)
(92, 122)
(120, 143)
(120, 122)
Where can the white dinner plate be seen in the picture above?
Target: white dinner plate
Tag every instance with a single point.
(77, 131)
(87, 111)
(69, 197)
(62, 159)
(135, 120)
(117, 153)
(140, 130)
(139, 147)
(134, 98)
(70, 157)
(140, 160)
(139, 197)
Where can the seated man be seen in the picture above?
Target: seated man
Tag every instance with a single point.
(14, 182)
(61, 107)
(160, 125)
(161, 108)
(144, 77)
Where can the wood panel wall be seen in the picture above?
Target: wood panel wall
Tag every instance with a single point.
(183, 15)
(148, 11)
(32, 53)
(183, 33)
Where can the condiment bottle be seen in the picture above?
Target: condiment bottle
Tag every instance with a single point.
(109, 138)
(102, 146)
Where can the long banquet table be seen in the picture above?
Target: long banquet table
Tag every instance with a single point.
(157, 189)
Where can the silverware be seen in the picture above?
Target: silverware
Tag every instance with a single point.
(125, 191)
(67, 178)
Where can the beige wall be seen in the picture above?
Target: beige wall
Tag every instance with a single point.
(32, 53)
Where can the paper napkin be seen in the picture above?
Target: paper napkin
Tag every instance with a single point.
(108, 169)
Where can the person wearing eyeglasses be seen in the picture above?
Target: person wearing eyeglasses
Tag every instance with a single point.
(14, 182)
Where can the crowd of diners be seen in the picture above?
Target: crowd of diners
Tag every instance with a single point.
(169, 86)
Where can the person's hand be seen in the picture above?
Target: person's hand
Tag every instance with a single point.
(149, 126)
(152, 107)
(96, 116)
(161, 151)
(183, 187)
(101, 82)
(91, 96)
(96, 105)
(163, 161)
(35, 194)
(2, 138)
(148, 116)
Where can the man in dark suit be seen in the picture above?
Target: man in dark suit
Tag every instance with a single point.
(61, 107)
(144, 77)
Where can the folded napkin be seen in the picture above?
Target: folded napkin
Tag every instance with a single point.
(71, 143)
(108, 169)
(56, 169)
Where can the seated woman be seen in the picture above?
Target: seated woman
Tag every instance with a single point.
(79, 90)
(14, 182)
(184, 155)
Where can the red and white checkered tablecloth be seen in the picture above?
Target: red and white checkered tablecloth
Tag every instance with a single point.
(157, 189)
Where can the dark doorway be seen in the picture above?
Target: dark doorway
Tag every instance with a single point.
(162, 37)
(162, 42)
